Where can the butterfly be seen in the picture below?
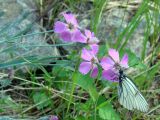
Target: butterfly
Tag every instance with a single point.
(129, 96)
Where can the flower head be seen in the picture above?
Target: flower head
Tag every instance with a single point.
(88, 37)
(53, 117)
(89, 62)
(112, 64)
(67, 30)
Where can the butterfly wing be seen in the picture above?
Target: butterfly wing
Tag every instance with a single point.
(130, 97)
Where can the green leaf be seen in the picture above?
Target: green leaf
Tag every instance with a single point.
(87, 83)
(145, 78)
(93, 93)
(41, 99)
(84, 107)
(106, 112)
(95, 117)
(6, 100)
(127, 33)
(80, 118)
(99, 5)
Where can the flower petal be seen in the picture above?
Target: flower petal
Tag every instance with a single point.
(107, 63)
(70, 18)
(114, 54)
(94, 48)
(85, 67)
(66, 36)
(79, 37)
(53, 117)
(59, 27)
(93, 40)
(94, 71)
(110, 75)
(93, 34)
(88, 33)
(124, 61)
(86, 54)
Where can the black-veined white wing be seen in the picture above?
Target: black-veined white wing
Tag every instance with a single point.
(130, 97)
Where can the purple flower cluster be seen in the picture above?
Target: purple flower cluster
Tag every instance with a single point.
(69, 31)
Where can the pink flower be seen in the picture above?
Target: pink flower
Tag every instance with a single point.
(112, 64)
(88, 37)
(53, 117)
(89, 63)
(94, 48)
(67, 30)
